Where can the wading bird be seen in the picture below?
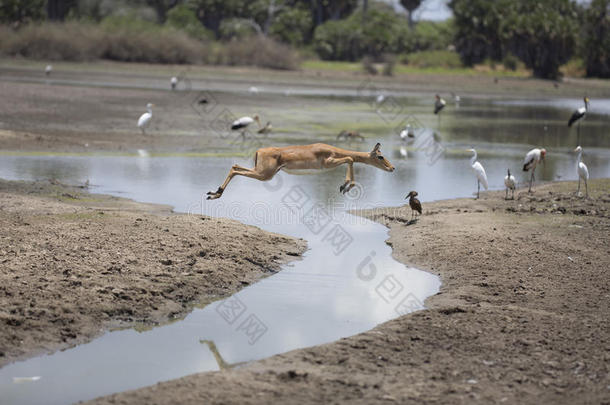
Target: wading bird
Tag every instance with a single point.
(439, 104)
(174, 82)
(242, 124)
(531, 160)
(407, 134)
(478, 170)
(582, 171)
(456, 98)
(269, 161)
(577, 116)
(144, 120)
(509, 182)
(48, 69)
(266, 129)
(414, 203)
(349, 135)
(253, 90)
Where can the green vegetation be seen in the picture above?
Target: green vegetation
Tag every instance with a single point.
(514, 35)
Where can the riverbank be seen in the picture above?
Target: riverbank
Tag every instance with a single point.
(521, 316)
(75, 264)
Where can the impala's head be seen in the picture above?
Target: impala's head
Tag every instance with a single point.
(411, 194)
(379, 161)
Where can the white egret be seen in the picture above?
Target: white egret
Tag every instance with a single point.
(243, 122)
(531, 160)
(253, 90)
(510, 182)
(174, 82)
(582, 171)
(144, 120)
(48, 69)
(577, 116)
(479, 171)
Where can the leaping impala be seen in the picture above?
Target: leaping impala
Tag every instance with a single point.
(318, 156)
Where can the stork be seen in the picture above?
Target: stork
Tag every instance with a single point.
(407, 134)
(439, 104)
(577, 116)
(479, 171)
(509, 182)
(531, 160)
(144, 120)
(242, 124)
(582, 171)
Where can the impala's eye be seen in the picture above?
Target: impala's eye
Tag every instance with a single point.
(379, 157)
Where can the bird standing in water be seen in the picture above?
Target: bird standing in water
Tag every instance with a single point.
(577, 116)
(509, 182)
(414, 203)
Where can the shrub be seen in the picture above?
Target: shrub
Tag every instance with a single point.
(259, 51)
(389, 62)
(510, 62)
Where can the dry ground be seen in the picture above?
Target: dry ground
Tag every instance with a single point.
(522, 316)
(73, 264)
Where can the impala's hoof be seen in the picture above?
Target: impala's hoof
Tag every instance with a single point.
(341, 188)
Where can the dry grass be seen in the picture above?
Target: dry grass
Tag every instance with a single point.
(75, 41)
(259, 51)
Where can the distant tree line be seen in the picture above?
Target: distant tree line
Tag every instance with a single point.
(543, 34)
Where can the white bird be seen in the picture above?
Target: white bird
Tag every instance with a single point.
(48, 70)
(403, 151)
(581, 169)
(531, 160)
(253, 90)
(578, 115)
(174, 82)
(243, 122)
(479, 171)
(407, 134)
(456, 98)
(509, 182)
(144, 120)
(380, 98)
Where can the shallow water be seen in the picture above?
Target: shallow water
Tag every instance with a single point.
(347, 282)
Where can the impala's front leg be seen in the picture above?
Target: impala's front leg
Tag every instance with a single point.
(349, 177)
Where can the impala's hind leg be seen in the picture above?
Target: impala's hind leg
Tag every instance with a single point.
(264, 170)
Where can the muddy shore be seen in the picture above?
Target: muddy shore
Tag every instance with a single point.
(522, 316)
(74, 264)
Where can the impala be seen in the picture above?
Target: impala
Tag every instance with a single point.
(269, 161)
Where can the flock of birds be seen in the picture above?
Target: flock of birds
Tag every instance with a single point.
(531, 161)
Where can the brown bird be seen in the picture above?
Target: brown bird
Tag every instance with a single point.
(349, 135)
(414, 203)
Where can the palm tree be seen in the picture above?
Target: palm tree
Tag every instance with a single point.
(410, 6)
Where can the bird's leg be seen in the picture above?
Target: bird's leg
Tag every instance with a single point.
(506, 195)
(531, 181)
(586, 189)
(478, 188)
(578, 191)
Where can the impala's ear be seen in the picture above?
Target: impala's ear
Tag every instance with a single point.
(376, 148)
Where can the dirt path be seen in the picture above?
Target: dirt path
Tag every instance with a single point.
(73, 264)
(522, 316)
